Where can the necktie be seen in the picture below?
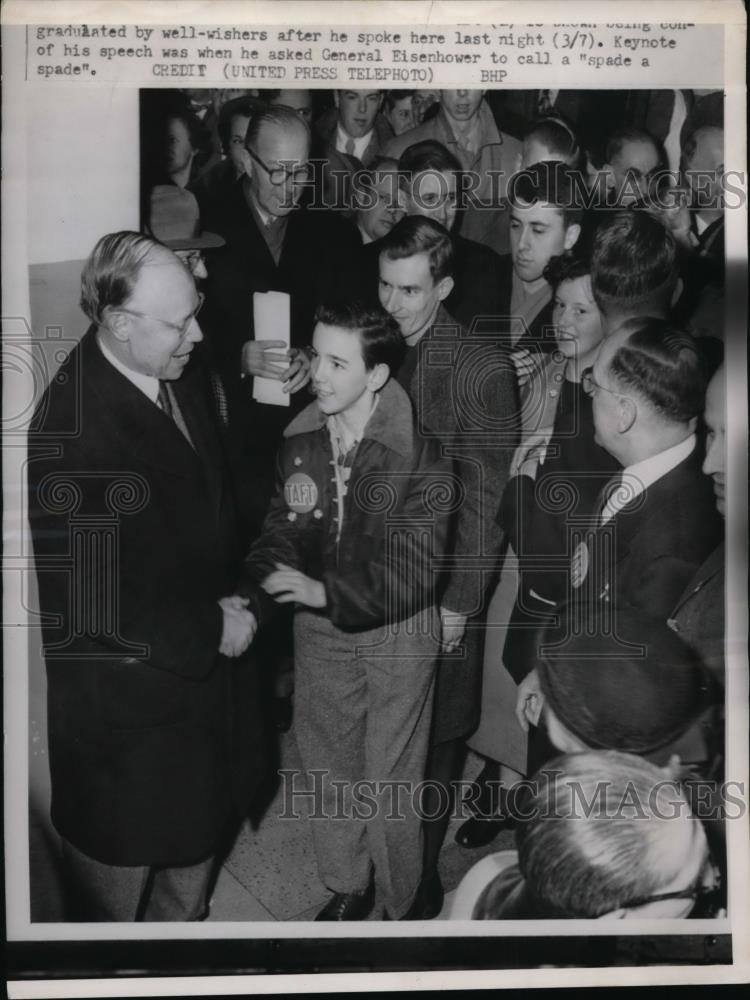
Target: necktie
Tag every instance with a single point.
(349, 148)
(544, 104)
(169, 405)
(607, 493)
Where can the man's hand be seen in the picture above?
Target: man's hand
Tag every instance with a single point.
(239, 625)
(673, 211)
(259, 358)
(298, 373)
(452, 628)
(530, 453)
(287, 585)
(529, 701)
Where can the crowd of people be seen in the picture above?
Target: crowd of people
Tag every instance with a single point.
(459, 483)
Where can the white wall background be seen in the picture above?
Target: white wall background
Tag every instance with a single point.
(82, 168)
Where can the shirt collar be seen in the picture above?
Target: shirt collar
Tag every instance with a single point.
(637, 478)
(360, 145)
(148, 385)
(265, 217)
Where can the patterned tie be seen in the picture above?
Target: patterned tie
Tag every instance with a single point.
(169, 405)
(544, 104)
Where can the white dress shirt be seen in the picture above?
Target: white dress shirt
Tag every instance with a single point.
(637, 478)
(148, 384)
(360, 145)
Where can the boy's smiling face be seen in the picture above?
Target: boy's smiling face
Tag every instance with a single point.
(339, 377)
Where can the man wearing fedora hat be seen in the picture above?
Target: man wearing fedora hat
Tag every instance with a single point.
(174, 220)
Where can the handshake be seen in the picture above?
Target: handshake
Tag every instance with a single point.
(239, 628)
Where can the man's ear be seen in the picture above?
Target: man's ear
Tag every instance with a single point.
(336, 98)
(572, 233)
(378, 377)
(445, 287)
(247, 162)
(609, 174)
(117, 323)
(627, 413)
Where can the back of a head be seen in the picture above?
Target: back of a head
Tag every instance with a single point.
(606, 830)
(618, 680)
(633, 264)
(558, 138)
(379, 333)
(663, 366)
(415, 234)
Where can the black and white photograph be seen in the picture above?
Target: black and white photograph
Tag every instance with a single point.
(375, 476)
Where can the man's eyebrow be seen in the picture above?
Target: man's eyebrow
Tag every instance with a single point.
(335, 357)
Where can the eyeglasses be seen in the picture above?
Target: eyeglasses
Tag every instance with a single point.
(279, 175)
(181, 328)
(590, 385)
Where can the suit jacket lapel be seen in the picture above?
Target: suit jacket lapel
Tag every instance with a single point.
(148, 434)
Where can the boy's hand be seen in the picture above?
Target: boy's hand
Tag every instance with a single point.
(287, 585)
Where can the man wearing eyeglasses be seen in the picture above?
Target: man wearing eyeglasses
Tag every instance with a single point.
(153, 710)
(273, 243)
(648, 387)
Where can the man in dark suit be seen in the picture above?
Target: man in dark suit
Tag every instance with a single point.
(272, 244)
(658, 522)
(699, 613)
(154, 730)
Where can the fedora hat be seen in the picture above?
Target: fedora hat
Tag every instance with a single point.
(174, 219)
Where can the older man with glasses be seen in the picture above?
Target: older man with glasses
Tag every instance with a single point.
(153, 704)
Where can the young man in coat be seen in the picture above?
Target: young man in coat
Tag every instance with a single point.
(464, 394)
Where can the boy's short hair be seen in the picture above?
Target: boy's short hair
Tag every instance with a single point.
(558, 137)
(379, 333)
(633, 263)
(550, 182)
(416, 234)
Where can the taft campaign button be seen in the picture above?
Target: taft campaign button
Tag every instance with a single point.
(300, 493)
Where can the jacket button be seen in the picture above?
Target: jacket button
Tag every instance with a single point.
(297, 460)
(292, 516)
(317, 514)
